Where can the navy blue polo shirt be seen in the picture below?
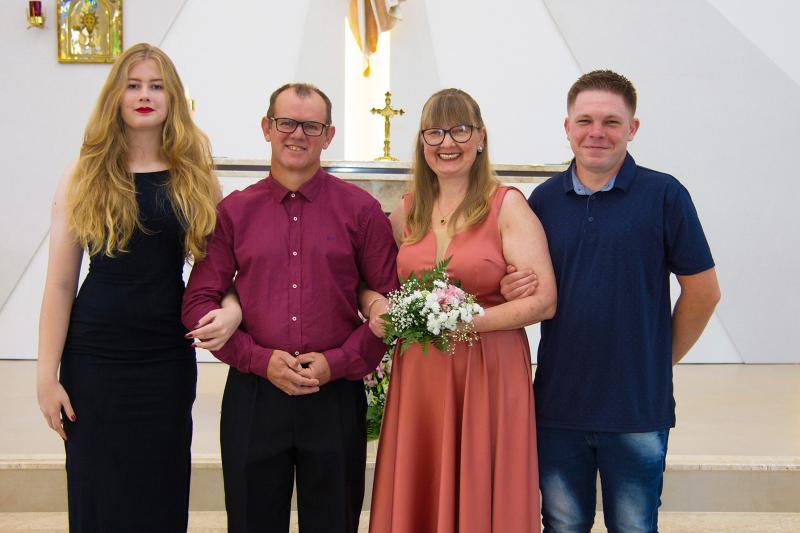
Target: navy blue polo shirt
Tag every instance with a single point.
(605, 359)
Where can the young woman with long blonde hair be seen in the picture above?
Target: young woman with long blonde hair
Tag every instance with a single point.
(116, 375)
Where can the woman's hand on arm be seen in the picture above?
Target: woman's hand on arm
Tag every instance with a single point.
(372, 305)
(216, 327)
(525, 247)
(61, 283)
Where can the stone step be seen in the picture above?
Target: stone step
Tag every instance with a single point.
(692, 484)
(736, 447)
(669, 522)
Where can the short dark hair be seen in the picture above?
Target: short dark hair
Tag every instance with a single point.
(604, 80)
(302, 90)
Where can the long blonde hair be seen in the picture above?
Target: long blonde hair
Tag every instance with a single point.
(449, 106)
(101, 197)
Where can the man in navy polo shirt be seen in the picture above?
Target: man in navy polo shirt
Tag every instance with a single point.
(603, 385)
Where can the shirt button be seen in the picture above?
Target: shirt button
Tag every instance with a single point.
(294, 218)
(591, 219)
(294, 319)
(294, 285)
(293, 195)
(297, 353)
(294, 253)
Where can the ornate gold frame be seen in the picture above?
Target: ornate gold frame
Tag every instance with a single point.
(89, 31)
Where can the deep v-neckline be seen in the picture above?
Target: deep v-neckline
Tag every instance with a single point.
(445, 255)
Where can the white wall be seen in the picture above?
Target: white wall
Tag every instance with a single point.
(232, 56)
(718, 85)
(771, 25)
(507, 55)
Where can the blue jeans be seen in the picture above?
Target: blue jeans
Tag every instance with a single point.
(631, 467)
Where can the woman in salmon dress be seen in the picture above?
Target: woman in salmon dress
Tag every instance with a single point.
(457, 451)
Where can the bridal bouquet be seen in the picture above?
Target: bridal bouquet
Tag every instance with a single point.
(431, 309)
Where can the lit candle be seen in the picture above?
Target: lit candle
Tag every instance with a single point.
(35, 9)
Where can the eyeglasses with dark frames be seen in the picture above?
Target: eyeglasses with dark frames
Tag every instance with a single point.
(288, 125)
(435, 136)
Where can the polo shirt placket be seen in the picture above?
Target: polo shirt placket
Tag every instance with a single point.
(590, 222)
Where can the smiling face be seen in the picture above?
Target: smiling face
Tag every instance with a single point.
(297, 153)
(599, 126)
(448, 109)
(144, 102)
(453, 159)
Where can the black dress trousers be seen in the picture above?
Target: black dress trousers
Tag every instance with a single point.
(268, 437)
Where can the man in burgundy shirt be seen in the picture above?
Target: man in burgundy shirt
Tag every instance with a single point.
(297, 246)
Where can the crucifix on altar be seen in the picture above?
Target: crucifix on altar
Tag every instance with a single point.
(387, 112)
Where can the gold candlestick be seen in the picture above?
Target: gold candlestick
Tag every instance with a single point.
(387, 112)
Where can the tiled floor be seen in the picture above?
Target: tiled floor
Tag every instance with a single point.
(214, 522)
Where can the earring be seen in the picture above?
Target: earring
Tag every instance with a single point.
(480, 149)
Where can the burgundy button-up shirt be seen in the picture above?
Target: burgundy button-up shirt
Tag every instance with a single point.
(298, 259)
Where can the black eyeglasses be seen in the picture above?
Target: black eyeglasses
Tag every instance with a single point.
(435, 136)
(310, 128)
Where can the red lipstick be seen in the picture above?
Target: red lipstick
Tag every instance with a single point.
(144, 110)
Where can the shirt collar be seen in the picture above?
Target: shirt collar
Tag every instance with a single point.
(309, 190)
(581, 190)
(622, 180)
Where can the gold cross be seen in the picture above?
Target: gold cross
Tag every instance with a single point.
(387, 113)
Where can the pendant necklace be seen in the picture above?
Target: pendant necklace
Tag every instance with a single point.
(444, 218)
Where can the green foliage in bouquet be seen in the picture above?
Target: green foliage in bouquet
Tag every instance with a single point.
(377, 387)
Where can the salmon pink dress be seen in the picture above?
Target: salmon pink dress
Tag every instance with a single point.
(457, 450)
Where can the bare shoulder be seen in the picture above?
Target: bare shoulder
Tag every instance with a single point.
(513, 207)
(514, 197)
(60, 195)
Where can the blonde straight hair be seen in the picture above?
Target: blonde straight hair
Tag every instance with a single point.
(446, 108)
(101, 196)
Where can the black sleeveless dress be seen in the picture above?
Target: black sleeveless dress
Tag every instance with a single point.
(131, 378)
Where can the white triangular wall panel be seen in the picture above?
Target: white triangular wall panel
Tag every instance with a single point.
(232, 55)
(771, 25)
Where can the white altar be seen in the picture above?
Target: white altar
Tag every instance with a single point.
(385, 180)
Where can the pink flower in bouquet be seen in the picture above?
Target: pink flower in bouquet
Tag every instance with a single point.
(449, 296)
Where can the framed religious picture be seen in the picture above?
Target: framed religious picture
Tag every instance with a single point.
(89, 31)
